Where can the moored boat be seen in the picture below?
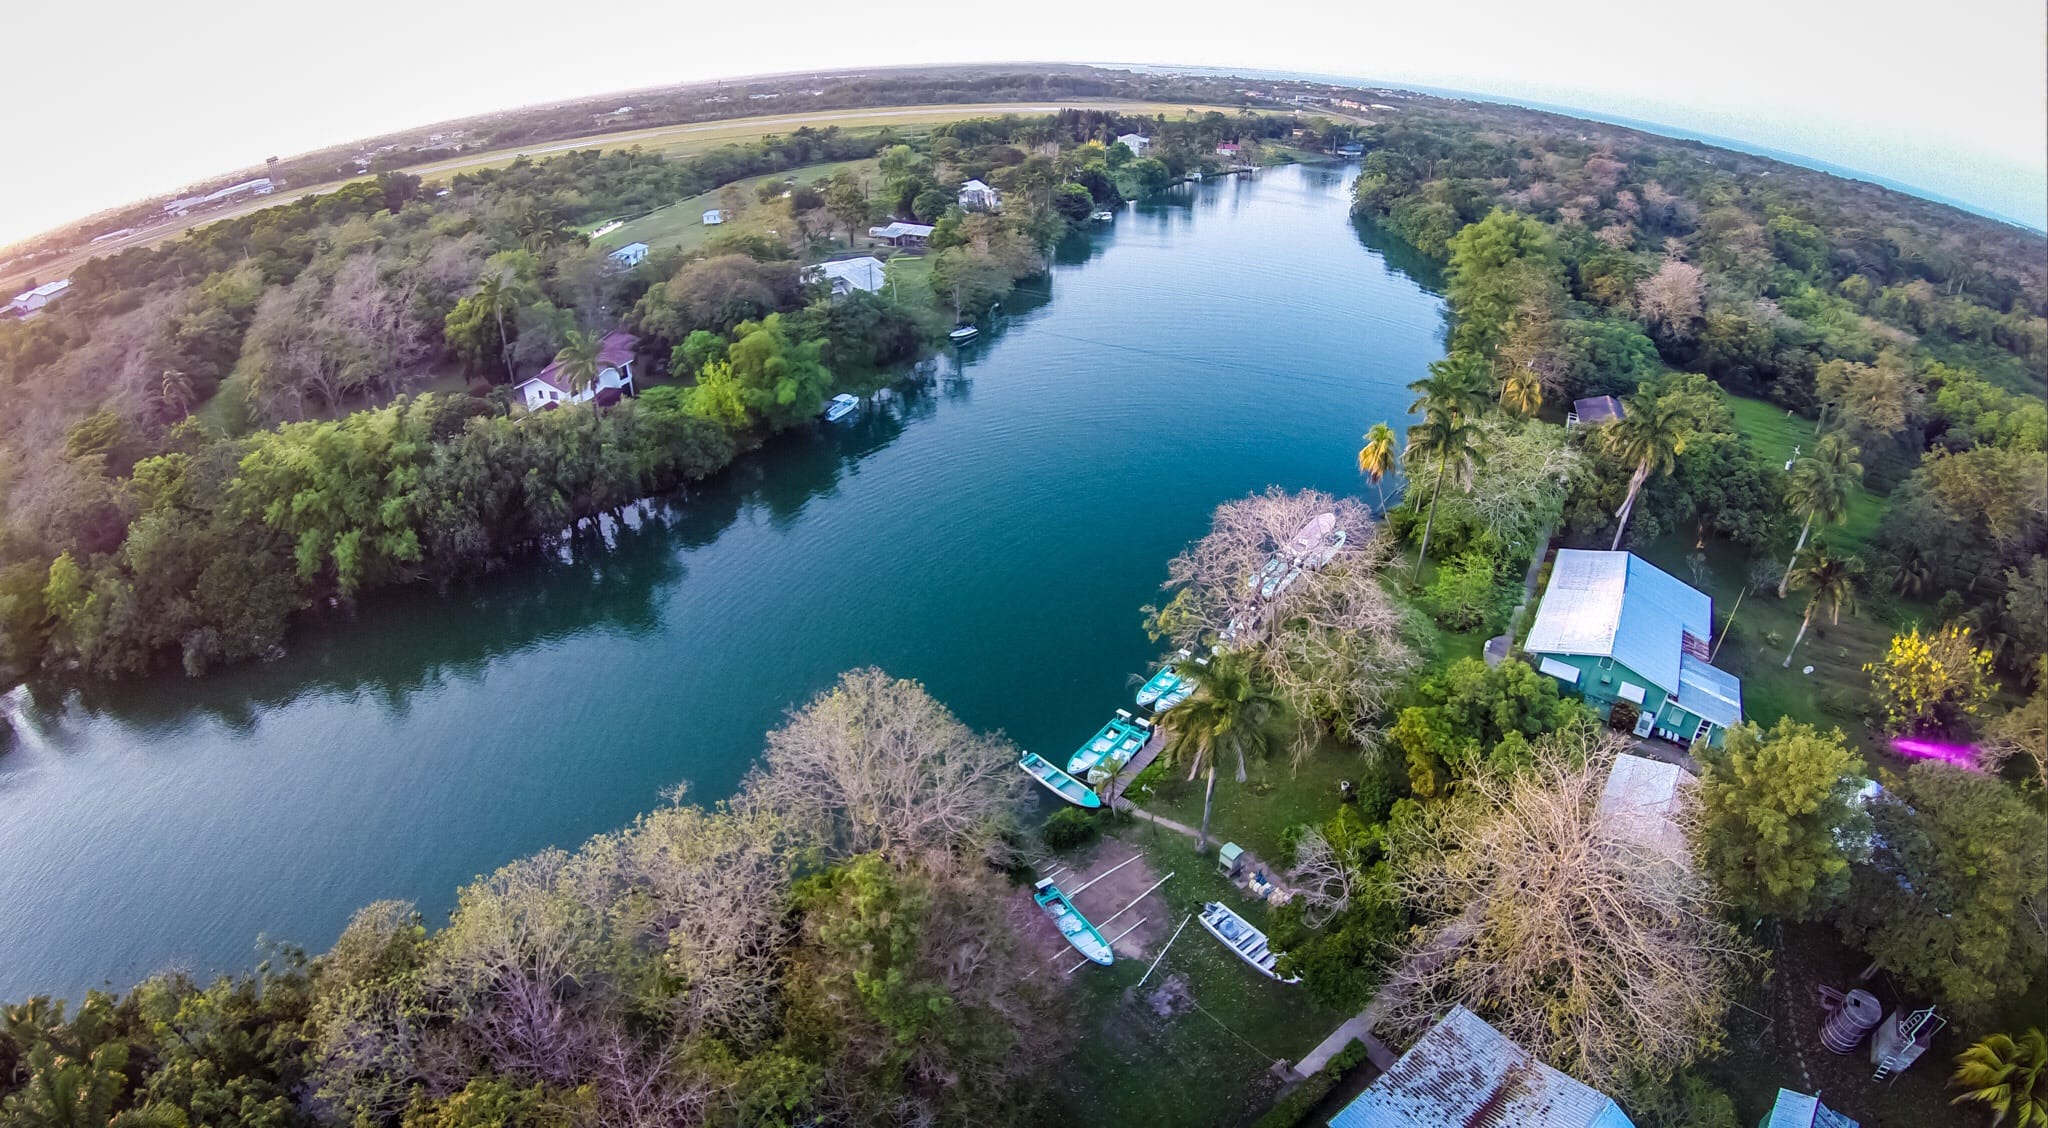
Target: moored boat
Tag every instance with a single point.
(842, 405)
(1239, 936)
(1331, 546)
(1181, 691)
(1072, 925)
(963, 334)
(1158, 684)
(1311, 535)
(1112, 746)
(1059, 782)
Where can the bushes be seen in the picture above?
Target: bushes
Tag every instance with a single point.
(1466, 594)
(1068, 829)
(1294, 1108)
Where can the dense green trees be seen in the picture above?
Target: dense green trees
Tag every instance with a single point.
(1779, 818)
(1474, 717)
(1944, 899)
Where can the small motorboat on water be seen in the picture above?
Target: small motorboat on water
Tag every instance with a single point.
(1331, 546)
(1074, 927)
(1310, 538)
(1059, 782)
(1102, 215)
(842, 405)
(1183, 689)
(964, 334)
(1239, 936)
(1158, 684)
(1112, 746)
(1271, 570)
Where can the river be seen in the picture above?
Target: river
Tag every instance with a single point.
(993, 535)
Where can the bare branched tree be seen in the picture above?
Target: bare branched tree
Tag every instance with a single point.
(1324, 878)
(1331, 644)
(874, 763)
(1601, 953)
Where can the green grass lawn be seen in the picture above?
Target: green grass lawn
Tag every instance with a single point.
(1775, 434)
(681, 224)
(1206, 1062)
(1255, 813)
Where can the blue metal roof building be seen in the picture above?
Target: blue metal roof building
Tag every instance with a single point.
(1613, 627)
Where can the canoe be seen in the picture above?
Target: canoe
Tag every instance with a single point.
(1237, 934)
(1311, 534)
(1072, 925)
(1059, 782)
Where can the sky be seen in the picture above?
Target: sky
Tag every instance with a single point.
(116, 100)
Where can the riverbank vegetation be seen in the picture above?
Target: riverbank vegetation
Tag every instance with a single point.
(294, 407)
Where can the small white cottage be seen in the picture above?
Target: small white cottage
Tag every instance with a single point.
(550, 388)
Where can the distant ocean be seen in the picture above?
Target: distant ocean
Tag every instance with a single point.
(1658, 128)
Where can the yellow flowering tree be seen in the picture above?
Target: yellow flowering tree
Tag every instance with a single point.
(1931, 682)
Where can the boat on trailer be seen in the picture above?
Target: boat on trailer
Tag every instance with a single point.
(1112, 746)
(1239, 936)
(1059, 782)
(1072, 925)
(842, 405)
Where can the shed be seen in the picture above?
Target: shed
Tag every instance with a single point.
(1229, 858)
(1464, 1072)
(1595, 410)
(1639, 804)
(629, 255)
(1799, 1110)
(714, 217)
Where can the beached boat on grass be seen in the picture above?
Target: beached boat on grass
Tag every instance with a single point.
(1072, 925)
(1239, 936)
(1112, 746)
(1059, 782)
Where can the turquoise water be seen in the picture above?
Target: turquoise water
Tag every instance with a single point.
(993, 535)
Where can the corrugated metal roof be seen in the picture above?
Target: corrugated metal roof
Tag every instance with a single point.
(1708, 692)
(1798, 1110)
(1468, 1074)
(1638, 801)
(1618, 605)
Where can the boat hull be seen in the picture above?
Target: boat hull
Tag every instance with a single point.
(1074, 928)
(1050, 777)
(1247, 943)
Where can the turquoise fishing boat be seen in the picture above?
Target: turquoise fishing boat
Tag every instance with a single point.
(1162, 682)
(1059, 782)
(1072, 925)
(1112, 745)
(1181, 691)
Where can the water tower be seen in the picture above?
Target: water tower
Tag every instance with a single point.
(1850, 1017)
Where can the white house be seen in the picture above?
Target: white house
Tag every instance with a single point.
(628, 255)
(714, 217)
(901, 234)
(1137, 143)
(976, 196)
(549, 387)
(32, 301)
(848, 275)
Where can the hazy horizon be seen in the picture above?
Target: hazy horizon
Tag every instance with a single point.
(1955, 109)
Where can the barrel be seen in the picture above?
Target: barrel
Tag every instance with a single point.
(1846, 1027)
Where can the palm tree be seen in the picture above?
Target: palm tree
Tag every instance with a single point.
(1833, 580)
(2009, 1074)
(1453, 444)
(1819, 489)
(498, 290)
(579, 361)
(1457, 384)
(1522, 391)
(1651, 434)
(1376, 457)
(1230, 714)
